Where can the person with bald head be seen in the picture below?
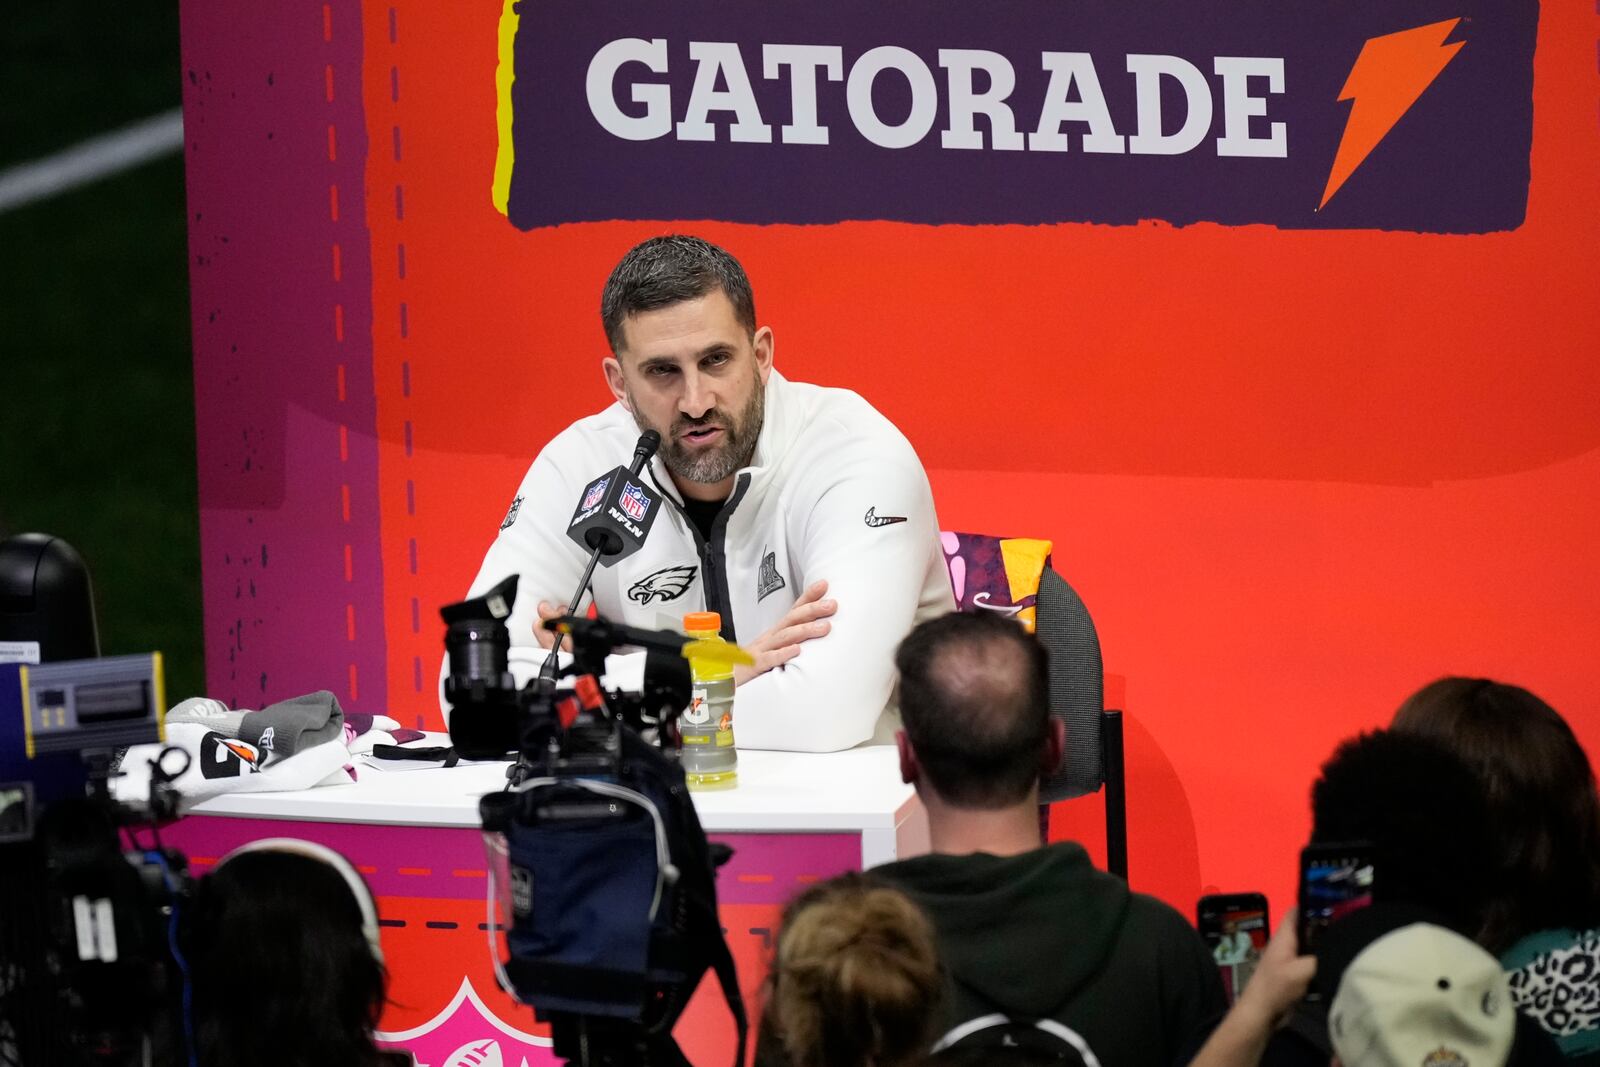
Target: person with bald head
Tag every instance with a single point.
(1030, 931)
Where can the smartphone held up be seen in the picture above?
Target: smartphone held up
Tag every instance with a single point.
(1235, 927)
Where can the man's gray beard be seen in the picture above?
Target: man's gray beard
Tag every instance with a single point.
(708, 468)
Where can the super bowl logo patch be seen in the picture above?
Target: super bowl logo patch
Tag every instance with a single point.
(511, 516)
(768, 580)
(634, 502)
(596, 493)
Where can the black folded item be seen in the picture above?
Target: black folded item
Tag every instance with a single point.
(443, 755)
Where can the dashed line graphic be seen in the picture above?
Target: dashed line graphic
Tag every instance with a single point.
(340, 391)
(403, 314)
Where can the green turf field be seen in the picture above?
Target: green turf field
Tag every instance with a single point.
(97, 422)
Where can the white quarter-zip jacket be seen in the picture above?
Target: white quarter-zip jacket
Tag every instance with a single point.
(833, 491)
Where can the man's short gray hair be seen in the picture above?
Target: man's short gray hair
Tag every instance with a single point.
(667, 270)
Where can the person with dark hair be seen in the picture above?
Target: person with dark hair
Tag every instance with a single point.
(855, 980)
(1424, 814)
(1422, 809)
(1542, 916)
(798, 513)
(1027, 933)
(285, 969)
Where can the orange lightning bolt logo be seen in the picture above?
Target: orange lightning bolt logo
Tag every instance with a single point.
(1389, 75)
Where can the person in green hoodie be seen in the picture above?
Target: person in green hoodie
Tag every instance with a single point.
(1025, 930)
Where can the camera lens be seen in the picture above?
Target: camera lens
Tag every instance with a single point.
(478, 649)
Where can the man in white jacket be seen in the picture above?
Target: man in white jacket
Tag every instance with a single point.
(798, 512)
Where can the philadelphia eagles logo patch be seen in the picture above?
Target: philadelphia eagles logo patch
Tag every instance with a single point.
(511, 516)
(668, 583)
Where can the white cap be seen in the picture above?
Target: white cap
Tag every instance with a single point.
(1422, 996)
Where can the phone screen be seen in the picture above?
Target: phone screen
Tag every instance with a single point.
(1333, 883)
(1235, 930)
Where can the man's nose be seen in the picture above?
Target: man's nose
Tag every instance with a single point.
(698, 397)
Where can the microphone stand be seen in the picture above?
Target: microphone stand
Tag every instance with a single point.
(649, 441)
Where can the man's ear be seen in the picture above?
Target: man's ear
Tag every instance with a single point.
(909, 771)
(1055, 746)
(765, 350)
(614, 381)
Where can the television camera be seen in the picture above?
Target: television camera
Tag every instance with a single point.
(88, 973)
(601, 878)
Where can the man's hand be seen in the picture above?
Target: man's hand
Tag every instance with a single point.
(1281, 978)
(548, 611)
(806, 620)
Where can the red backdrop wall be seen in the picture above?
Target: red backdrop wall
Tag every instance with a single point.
(1294, 473)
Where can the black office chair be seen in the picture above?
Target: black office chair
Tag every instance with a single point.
(1093, 757)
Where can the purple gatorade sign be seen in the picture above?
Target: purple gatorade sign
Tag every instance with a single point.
(1376, 114)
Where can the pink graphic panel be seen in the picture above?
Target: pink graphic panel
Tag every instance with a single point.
(430, 884)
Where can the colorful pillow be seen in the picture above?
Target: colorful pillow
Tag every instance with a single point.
(996, 573)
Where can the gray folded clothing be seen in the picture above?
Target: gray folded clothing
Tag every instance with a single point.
(278, 730)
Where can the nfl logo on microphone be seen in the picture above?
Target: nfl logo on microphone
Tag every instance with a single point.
(596, 492)
(634, 502)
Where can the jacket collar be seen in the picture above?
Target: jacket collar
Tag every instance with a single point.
(777, 426)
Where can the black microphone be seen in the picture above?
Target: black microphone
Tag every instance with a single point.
(649, 441)
(615, 514)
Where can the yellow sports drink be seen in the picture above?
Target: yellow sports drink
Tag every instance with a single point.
(709, 758)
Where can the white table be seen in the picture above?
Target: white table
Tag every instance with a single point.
(857, 792)
(792, 819)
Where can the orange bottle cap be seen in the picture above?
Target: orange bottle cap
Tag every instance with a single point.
(702, 620)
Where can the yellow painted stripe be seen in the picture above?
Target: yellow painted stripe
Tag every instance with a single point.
(504, 74)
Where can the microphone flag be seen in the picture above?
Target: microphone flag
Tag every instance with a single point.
(615, 515)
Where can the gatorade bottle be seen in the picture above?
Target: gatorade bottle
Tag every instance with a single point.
(709, 758)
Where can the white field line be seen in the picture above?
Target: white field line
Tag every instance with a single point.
(91, 160)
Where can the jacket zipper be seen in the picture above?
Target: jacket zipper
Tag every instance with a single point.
(711, 555)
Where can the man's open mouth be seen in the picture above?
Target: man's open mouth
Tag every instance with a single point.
(700, 434)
